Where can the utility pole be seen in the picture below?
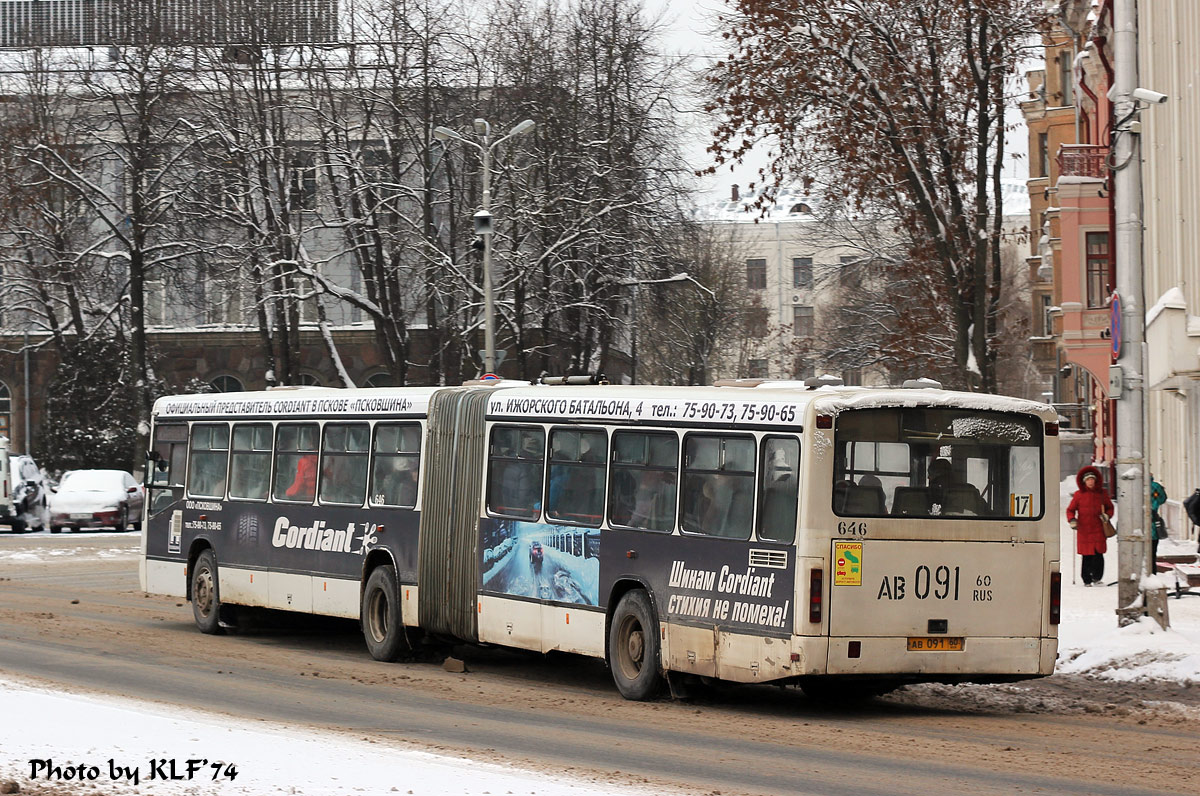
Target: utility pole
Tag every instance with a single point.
(1127, 374)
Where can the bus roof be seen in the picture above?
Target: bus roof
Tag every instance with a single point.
(763, 404)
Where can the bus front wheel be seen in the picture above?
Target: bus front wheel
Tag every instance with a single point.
(206, 594)
(634, 648)
(380, 615)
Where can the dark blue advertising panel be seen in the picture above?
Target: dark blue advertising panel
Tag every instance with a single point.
(555, 563)
(745, 587)
(740, 586)
(322, 540)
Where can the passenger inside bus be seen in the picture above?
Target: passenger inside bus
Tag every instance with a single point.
(304, 485)
(778, 520)
(950, 495)
(399, 486)
(649, 505)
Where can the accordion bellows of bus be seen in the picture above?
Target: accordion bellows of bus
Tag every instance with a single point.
(834, 537)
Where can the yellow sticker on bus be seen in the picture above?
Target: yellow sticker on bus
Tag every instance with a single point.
(847, 563)
(1020, 505)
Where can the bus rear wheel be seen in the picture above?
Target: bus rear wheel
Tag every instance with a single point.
(206, 594)
(634, 648)
(380, 615)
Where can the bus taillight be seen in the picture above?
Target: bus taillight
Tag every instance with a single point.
(815, 579)
(1055, 597)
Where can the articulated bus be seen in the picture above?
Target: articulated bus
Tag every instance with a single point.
(754, 532)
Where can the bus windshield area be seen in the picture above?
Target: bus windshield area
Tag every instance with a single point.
(937, 463)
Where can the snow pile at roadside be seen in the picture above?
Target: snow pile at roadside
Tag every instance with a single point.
(67, 731)
(1090, 643)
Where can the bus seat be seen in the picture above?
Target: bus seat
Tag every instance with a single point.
(963, 499)
(910, 500)
(865, 500)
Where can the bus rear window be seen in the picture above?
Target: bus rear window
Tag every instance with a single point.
(937, 463)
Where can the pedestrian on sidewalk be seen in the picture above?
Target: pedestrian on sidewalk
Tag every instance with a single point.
(1083, 514)
(1158, 526)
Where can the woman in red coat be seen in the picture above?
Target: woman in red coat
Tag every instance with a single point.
(1083, 513)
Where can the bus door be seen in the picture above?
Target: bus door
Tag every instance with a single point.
(165, 469)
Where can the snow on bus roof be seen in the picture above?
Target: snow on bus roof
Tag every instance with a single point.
(767, 403)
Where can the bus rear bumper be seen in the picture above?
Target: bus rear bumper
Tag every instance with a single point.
(978, 658)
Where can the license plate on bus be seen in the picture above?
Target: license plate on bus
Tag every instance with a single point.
(935, 644)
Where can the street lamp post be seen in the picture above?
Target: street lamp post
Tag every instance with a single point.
(483, 221)
(636, 285)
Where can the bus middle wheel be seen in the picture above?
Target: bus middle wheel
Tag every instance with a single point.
(634, 648)
(380, 615)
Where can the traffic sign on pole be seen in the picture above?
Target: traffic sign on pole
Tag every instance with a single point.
(1114, 325)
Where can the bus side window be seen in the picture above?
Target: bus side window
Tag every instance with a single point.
(718, 485)
(250, 461)
(642, 489)
(396, 465)
(779, 489)
(209, 460)
(577, 460)
(345, 454)
(296, 462)
(515, 470)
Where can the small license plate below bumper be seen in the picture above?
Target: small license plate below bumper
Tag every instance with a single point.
(935, 643)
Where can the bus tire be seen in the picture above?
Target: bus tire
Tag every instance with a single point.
(634, 648)
(206, 594)
(379, 615)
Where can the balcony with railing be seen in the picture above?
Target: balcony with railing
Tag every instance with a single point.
(1083, 160)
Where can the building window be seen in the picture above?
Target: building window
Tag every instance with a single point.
(303, 188)
(226, 384)
(756, 322)
(756, 274)
(1043, 155)
(803, 369)
(5, 409)
(1097, 269)
(308, 380)
(1066, 79)
(802, 321)
(756, 369)
(848, 272)
(220, 293)
(852, 377)
(802, 272)
(381, 379)
(1047, 322)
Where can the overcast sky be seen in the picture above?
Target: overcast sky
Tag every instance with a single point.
(691, 25)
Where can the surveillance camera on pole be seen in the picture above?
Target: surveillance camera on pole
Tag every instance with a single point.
(1149, 97)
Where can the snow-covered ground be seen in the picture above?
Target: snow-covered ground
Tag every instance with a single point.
(74, 729)
(70, 731)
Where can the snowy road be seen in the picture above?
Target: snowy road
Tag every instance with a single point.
(560, 716)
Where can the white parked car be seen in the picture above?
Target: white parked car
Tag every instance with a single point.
(96, 499)
(23, 504)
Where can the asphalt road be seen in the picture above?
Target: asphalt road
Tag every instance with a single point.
(562, 713)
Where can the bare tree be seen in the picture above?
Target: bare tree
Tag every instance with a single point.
(899, 106)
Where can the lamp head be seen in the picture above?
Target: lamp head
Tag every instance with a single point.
(446, 134)
(523, 127)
